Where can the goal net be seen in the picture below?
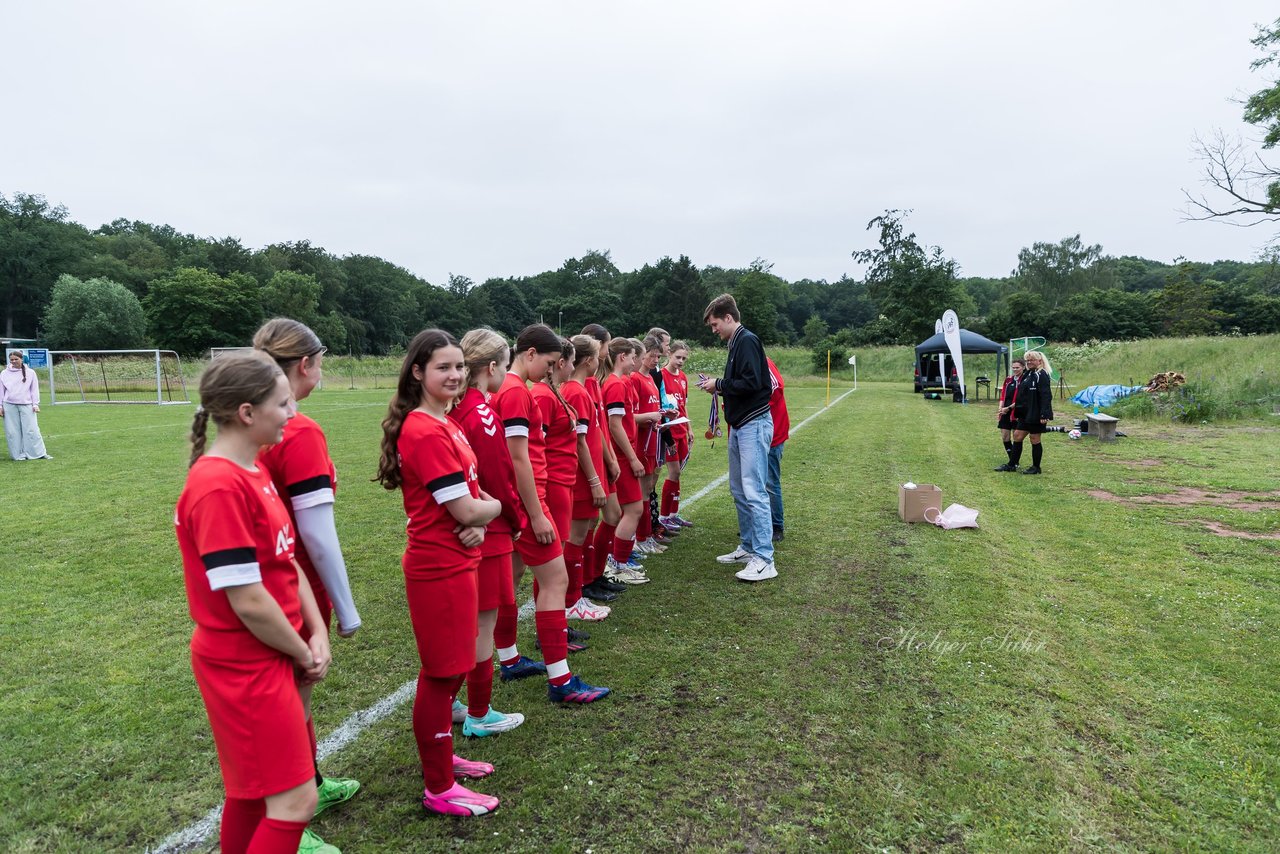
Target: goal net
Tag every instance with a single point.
(116, 376)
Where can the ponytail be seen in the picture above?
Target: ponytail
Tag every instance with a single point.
(199, 426)
(566, 352)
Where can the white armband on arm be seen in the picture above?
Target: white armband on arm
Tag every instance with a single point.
(319, 535)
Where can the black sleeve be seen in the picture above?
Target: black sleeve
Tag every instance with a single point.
(1046, 397)
(751, 372)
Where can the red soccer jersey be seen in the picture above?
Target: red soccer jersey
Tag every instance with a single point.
(520, 417)
(436, 466)
(562, 436)
(646, 399)
(233, 530)
(778, 407)
(617, 401)
(301, 469)
(497, 476)
(577, 396)
(677, 386)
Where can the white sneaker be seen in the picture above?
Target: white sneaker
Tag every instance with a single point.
(624, 574)
(757, 569)
(584, 610)
(738, 555)
(654, 547)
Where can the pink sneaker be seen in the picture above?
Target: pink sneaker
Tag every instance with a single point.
(459, 800)
(470, 770)
(584, 610)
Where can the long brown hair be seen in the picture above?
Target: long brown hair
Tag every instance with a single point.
(228, 382)
(602, 336)
(566, 352)
(617, 346)
(407, 398)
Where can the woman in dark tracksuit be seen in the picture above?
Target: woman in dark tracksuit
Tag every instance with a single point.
(1005, 418)
(1034, 409)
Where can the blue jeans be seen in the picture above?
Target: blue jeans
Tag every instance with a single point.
(775, 485)
(748, 478)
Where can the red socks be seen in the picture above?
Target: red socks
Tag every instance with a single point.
(621, 550)
(645, 529)
(504, 631)
(670, 497)
(553, 636)
(589, 572)
(604, 546)
(480, 688)
(433, 730)
(573, 563)
(240, 819)
(277, 836)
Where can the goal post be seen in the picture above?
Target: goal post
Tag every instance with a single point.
(116, 376)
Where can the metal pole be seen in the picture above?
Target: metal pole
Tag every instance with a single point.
(159, 396)
(828, 403)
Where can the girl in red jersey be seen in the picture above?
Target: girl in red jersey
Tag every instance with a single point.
(537, 349)
(300, 468)
(599, 543)
(564, 420)
(648, 415)
(618, 396)
(251, 604)
(677, 386)
(487, 355)
(590, 490)
(428, 458)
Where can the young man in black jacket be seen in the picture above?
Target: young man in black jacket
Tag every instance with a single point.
(746, 387)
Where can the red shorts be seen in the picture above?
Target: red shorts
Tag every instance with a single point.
(534, 553)
(258, 724)
(679, 454)
(586, 509)
(443, 612)
(650, 462)
(628, 487)
(494, 584)
(560, 502)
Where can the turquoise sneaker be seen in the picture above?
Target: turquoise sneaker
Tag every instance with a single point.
(333, 791)
(492, 723)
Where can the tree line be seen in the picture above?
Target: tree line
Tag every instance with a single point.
(132, 284)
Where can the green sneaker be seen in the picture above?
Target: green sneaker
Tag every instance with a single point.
(333, 791)
(312, 844)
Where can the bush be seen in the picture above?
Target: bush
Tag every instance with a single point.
(833, 348)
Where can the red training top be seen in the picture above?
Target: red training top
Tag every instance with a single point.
(233, 530)
(646, 400)
(497, 476)
(778, 407)
(589, 425)
(617, 395)
(677, 385)
(520, 417)
(562, 436)
(436, 466)
(300, 468)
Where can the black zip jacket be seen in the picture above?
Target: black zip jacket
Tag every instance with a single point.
(746, 385)
(1035, 397)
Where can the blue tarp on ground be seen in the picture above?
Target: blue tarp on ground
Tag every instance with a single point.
(1104, 395)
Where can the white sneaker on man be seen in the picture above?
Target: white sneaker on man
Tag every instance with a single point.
(757, 569)
(738, 555)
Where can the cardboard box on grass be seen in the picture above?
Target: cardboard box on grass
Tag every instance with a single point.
(913, 502)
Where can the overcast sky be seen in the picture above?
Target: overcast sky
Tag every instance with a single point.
(494, 139)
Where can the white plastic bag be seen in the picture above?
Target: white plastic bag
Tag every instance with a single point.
(955, 516)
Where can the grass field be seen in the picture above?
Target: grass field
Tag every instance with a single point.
(1093, 669)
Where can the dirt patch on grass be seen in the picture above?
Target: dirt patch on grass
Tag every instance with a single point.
(1223, 531)
(1189, 496)
(1141, 464)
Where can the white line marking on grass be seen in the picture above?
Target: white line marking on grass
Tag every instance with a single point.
(357, 723)
(347, 732)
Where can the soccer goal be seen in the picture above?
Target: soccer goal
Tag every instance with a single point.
(116, 376)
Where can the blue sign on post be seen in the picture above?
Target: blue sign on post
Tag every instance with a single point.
(37, 358)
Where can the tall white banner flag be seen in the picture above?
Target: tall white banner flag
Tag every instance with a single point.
(942, 359)
(951, 332)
